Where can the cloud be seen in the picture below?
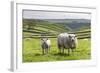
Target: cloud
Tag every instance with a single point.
(29, 14)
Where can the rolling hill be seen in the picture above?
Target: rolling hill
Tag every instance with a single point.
(53, 27)
(44, 26)
(74, 24)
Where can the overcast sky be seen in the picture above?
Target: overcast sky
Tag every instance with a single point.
(29, 14)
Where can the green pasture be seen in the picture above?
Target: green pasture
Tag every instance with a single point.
(32, 51)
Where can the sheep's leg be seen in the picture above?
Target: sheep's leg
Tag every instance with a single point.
(43, 51)
(46, 50)
(59, 48)
(63, 50)
(73, 51)
(68, 51)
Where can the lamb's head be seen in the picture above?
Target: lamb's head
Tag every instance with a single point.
(44, 39)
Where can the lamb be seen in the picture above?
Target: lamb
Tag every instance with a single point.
(46, 43)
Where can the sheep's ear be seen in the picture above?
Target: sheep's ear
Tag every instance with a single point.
(75, 35)
(69, 36)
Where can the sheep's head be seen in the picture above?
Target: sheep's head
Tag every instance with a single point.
(72, 40)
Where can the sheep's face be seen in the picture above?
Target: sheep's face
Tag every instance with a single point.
(72, 39)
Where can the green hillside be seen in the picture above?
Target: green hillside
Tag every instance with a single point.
(43, 27)
(35, 28)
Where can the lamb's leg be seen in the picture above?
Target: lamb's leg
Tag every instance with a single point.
(46, 50)
(49, 49)
(43, 51)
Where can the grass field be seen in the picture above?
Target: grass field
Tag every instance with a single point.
(32, 51)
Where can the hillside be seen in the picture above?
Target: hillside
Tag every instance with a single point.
(40, 26)
(74, 24)
(37, 27)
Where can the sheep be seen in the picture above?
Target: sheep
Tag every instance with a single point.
(46, 43)
(67, 41)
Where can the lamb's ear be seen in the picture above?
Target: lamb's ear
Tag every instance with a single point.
(41, 38)
(46, 38)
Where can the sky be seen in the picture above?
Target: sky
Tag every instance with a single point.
(29, 14)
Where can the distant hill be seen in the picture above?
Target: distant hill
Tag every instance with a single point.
(68, 20)
(74, 24)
